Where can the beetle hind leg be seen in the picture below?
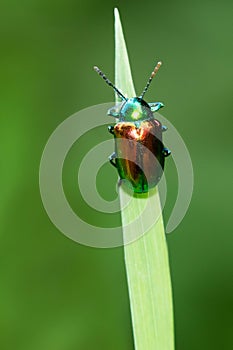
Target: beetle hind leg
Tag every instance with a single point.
(112, 159)
(166, 152)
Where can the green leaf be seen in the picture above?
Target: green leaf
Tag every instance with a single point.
(146, 258)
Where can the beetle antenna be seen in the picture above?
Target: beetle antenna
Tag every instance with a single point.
(158, 65)
(109, 83)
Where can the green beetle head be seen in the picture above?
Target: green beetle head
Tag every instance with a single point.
(135, 108)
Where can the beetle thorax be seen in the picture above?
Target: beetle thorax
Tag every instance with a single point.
(135, 109)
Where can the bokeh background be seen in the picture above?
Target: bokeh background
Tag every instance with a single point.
(55, 293)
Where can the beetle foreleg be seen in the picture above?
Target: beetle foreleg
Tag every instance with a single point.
(110, 129)
(166, 152)
(114, 111)
(112, 158)
(155, 106)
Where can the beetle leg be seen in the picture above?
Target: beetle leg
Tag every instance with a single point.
(110, 129)
(155, 106)
(164, 128)
(112, 158)
(114, 111)
(166, 152)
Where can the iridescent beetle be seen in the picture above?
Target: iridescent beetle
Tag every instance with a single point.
(139, 152)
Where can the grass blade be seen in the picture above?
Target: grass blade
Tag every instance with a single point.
(146, 259)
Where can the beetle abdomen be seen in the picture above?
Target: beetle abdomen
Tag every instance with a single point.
(139, 157)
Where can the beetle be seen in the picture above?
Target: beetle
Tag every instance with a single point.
(139, 151)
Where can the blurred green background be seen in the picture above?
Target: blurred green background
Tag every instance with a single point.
(55, 293)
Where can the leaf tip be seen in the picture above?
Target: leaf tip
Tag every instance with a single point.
(116, 13)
